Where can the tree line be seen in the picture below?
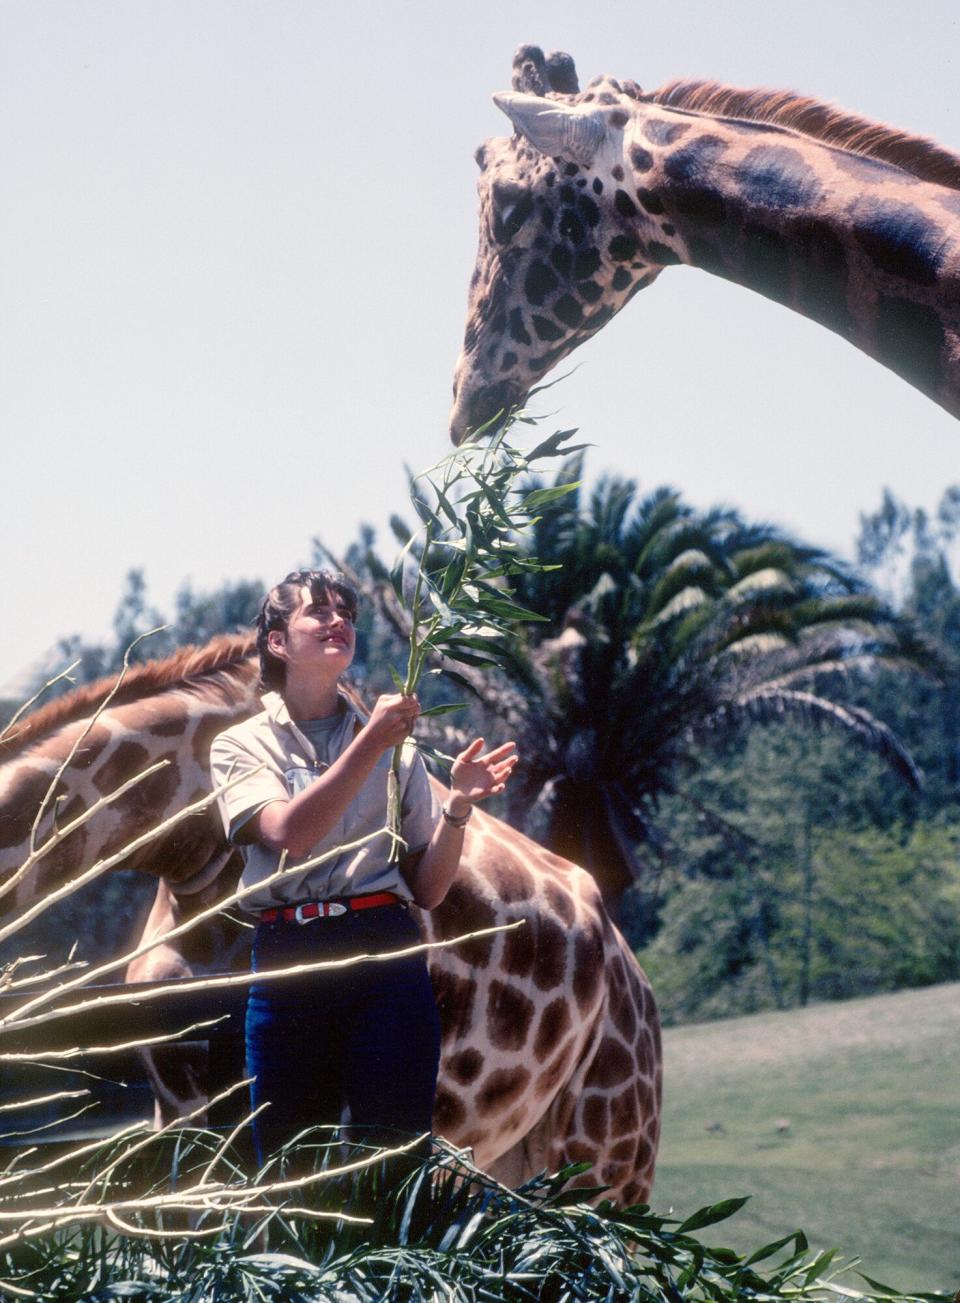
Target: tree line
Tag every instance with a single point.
(753, 746)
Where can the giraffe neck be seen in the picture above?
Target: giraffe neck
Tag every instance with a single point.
(859, 245)
(849, 222)
(176, 726)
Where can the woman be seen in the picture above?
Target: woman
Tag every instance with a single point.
(366, 1036)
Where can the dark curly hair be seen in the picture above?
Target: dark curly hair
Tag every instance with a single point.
(278, 606)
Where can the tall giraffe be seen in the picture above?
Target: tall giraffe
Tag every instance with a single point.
(846, 221)
(551, 1049)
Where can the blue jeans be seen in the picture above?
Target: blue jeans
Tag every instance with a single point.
(366, 1036)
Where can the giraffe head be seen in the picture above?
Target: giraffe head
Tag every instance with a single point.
(559, 252)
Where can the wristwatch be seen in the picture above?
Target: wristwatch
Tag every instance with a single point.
(457, 820)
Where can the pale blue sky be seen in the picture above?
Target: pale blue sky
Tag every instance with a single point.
(234, 251)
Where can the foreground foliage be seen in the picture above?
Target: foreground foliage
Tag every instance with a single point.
(439, 1230)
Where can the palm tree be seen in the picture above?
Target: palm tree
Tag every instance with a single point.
(665, 627)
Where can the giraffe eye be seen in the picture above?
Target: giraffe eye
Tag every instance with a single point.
(513, 206)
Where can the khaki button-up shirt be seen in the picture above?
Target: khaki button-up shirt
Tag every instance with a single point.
(290, 762)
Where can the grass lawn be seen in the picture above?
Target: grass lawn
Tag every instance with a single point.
(842, 1119)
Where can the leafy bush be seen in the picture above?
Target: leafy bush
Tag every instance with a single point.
(429, 1228)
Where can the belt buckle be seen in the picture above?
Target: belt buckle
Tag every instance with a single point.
(299, 915)
(334, 908)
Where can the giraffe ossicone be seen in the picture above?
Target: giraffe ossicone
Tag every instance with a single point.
(846, 221)
(551, 1044)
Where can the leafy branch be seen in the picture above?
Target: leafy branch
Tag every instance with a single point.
(454, 574)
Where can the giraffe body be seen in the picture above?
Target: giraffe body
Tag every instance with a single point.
(551, 1050)
(850, 223)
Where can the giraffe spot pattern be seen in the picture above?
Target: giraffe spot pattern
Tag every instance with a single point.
(899, 239)
(695, 162)
(21, 802)
(206, 731)
(455, 997)
(624, 1116)
(777, 177)
(501, 1088)
(662, 255)
(595, 1121)
(585, 263)
(624, 204)
(509, 1015)
(571, 228)
(650, 201)
(172, 727)
(518, 954)
(448, 1113)
(641, 160)
(562, 259)
(612, 1065)
(560, 902)
(465, 1067)
(549, 968)
(157, 792)
(588, 210)
(548, 1081)
(545, 329)
(465, 911)
(512, 883)
(93, 746)
(622, 248)
(568, 310)
(518, 331)
(122, 764)
(599, 318)
(538, 283)
(578, 1151)
(690, 169)
(555, 1022)
(660, 132)
(587, 966)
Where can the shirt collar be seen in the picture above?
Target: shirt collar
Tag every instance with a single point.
(279, 715)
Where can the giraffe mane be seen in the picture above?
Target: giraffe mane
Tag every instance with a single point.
(225, 652)
(923, 158)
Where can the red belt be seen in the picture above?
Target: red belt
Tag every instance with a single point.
(328, 908)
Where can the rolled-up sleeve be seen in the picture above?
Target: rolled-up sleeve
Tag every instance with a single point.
(260, 786)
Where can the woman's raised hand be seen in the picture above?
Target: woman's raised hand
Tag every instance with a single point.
(474, 777)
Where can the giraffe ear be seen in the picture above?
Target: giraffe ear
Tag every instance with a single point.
(555, 129)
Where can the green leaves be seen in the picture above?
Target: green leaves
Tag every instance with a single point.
(717, 1212)
(459, 565)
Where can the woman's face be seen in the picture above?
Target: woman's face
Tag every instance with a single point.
(319, 635)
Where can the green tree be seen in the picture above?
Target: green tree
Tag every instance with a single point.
(664, 627)
(669, 626)
(795, 892)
